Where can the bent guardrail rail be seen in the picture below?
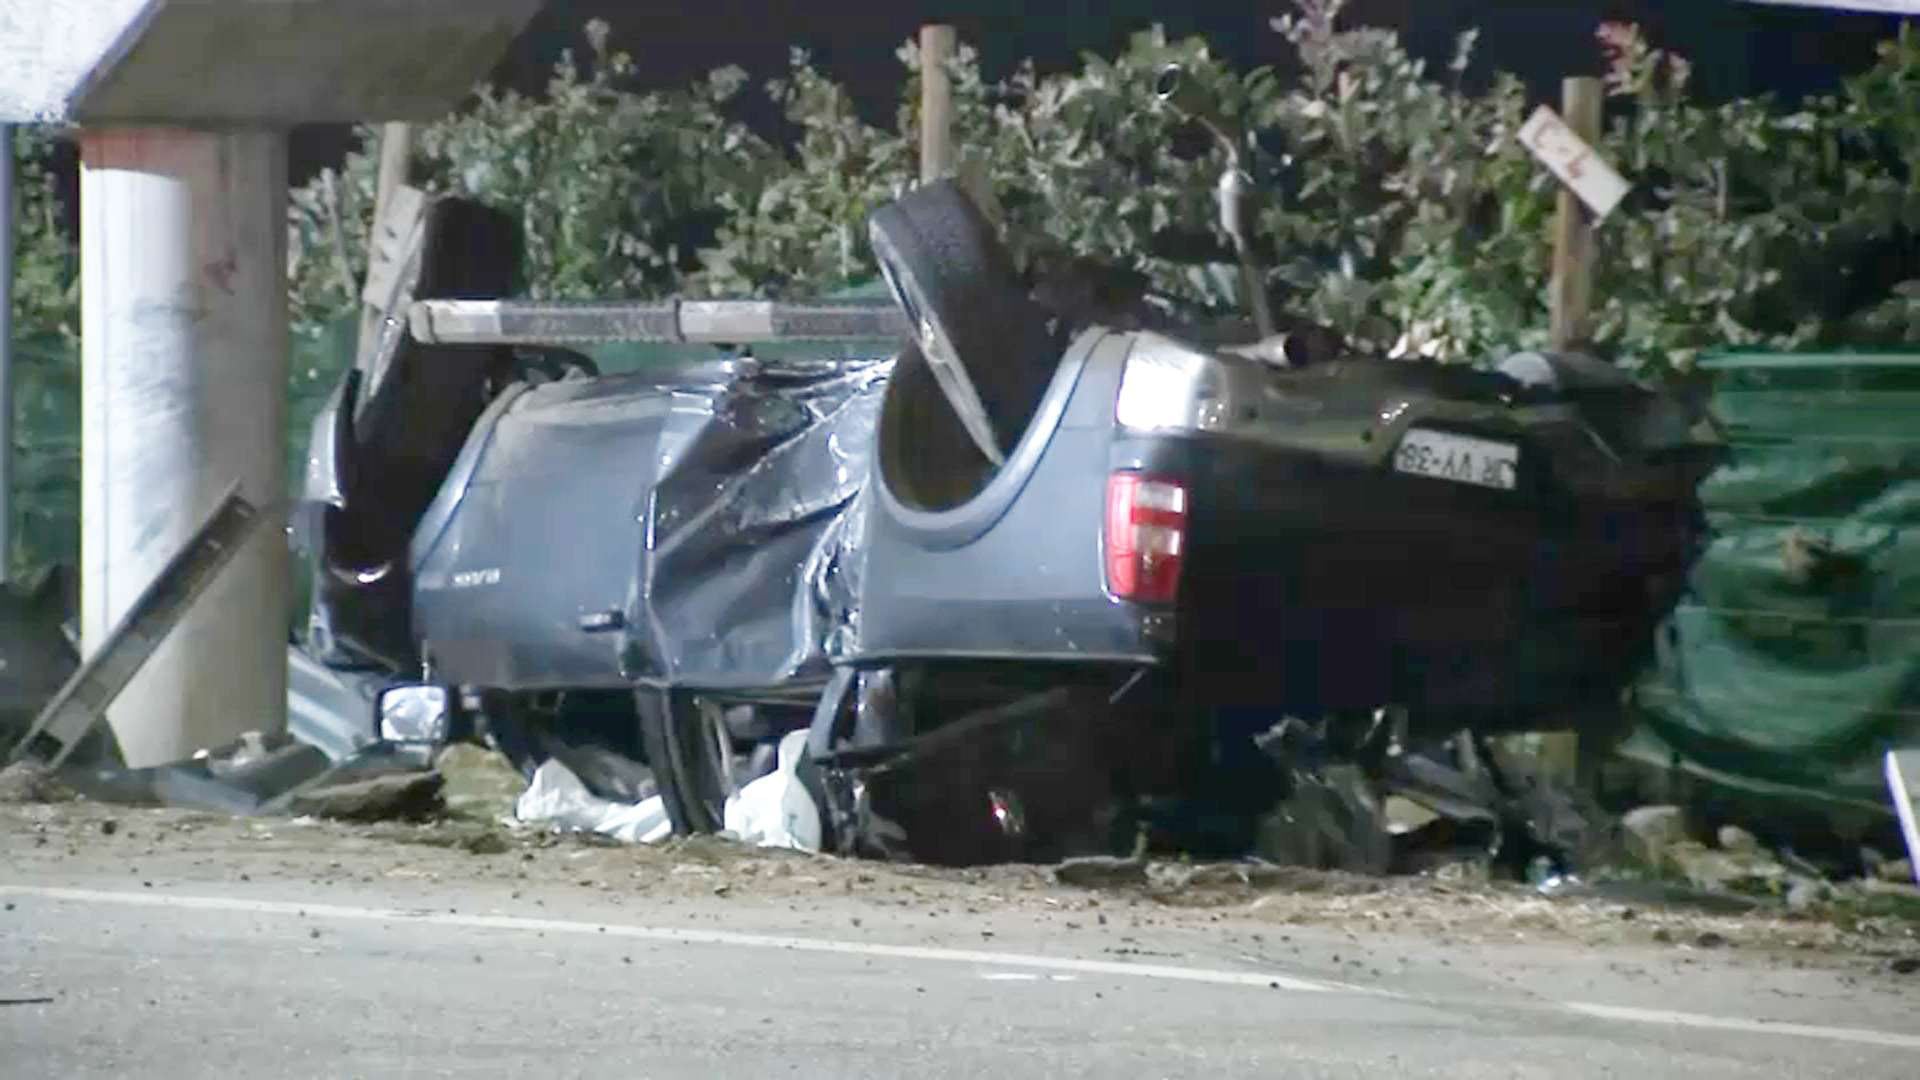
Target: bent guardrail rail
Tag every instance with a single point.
(592, 322)
(83, 701)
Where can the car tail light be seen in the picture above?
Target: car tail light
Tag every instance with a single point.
(1146, 537)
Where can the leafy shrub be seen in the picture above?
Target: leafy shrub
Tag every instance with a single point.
(1397, 207)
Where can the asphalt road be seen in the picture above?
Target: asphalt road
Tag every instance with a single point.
(105, 975)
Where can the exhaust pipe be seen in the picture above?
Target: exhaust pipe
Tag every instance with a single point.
(1176, 89)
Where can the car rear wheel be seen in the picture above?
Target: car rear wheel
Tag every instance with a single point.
(691, 752)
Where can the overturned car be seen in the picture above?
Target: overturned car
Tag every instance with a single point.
(1041, 567)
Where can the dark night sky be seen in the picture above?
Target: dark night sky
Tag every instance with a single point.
(1738, 48)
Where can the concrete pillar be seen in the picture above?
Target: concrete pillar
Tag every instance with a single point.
(184, 375)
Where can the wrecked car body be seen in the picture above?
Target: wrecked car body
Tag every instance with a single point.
(1016, 579)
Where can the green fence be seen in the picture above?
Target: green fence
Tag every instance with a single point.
(1794, 663)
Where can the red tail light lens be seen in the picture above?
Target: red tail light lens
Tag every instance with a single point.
(1146, 537)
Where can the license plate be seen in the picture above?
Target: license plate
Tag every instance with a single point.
(1460, 458)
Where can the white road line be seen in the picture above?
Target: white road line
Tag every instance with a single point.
(691, 937)
(1263, 980)
(1757, 1027)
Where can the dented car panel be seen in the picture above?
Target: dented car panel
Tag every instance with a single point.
(674, 528)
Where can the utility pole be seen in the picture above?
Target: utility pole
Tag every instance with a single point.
(1560, 753)
(937, 45)
(396, 156)
(1572, 290)
(1589, 190)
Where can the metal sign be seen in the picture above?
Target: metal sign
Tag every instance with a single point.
(1579, 166)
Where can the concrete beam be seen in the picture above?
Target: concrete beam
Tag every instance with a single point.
(210, 63)
(48, 49)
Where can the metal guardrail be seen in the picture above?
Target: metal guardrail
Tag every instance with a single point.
(720, 322)
(83, 701)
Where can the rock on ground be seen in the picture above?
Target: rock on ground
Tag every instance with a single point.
(1717, 869)
(409, 796)
(30, 782)
(1648, 832)
(480, 783)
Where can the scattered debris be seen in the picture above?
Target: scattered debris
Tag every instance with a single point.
(775, 810)
(557, 797)
(405, 796)
(1720, 870)
(486, 842)
(242, 778)
(1805, 894)
(1334, 820)
(1650, 831)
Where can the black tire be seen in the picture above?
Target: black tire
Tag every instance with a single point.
(984, 336)
(688, 771)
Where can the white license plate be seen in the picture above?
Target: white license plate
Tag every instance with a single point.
(1460, 458)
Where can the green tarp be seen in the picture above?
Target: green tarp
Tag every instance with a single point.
(1794, 662)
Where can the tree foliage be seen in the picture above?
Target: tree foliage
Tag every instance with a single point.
(46, 371)
(1397, 208)
(1396, 205)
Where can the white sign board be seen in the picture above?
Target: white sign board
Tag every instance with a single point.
(1549, 139)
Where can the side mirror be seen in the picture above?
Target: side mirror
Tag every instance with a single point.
(414, 713)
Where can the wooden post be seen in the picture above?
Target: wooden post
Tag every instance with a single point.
(1558, 754)
(937, 46)
(1572, 293)
(396, 154)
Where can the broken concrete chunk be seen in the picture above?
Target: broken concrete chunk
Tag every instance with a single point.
(1895, 870)
(480, 783)
(1731, 871)
(1735, 838)
(1650, 831)
(395, 797)
(1100, 872)
(32, 782)
(1805, 894)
